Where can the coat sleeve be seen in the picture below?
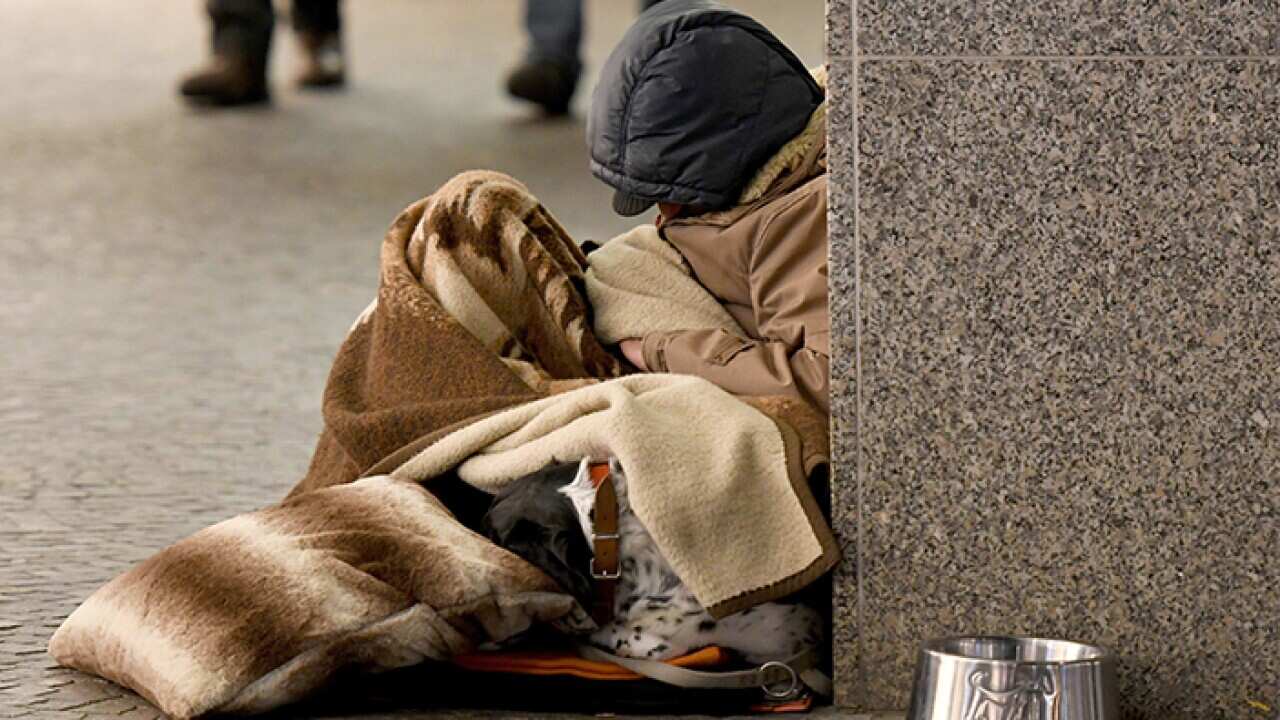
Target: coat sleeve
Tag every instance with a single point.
(742, 366)
(788, 282)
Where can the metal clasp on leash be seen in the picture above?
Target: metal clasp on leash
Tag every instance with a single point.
(793, 681)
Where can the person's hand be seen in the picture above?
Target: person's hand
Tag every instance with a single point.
(633, 350)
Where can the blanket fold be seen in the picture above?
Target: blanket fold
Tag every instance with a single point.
(708, 475)
(261, 609)
(637, 283)
(479, 360)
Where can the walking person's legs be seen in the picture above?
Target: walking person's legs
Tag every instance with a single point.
(236, 73)
(555, 31)
(549, 73)
(322, 17)
(318, 25)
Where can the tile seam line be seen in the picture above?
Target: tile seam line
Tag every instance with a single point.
(1063, 58)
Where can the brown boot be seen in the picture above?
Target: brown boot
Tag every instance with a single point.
(227, 80)
(322, 63)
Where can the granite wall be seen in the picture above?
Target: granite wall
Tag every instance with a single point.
(1055, 245)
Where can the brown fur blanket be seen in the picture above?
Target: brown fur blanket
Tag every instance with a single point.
(477, 360)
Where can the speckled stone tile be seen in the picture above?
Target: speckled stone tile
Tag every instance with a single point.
(1069, 27)
(1070, 298)
(839, 28)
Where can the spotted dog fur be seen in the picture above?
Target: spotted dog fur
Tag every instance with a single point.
(655, 615)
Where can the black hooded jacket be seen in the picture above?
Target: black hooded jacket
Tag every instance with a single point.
(691, 103)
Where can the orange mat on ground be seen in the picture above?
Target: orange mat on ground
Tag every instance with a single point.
(550, 662)
(565, 662)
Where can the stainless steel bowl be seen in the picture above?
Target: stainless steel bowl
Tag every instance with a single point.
(1013, 678)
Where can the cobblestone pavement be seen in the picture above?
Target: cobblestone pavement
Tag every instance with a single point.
(173, 283)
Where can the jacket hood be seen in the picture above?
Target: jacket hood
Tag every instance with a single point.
(692, 102)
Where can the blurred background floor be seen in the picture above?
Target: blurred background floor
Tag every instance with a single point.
(174, 283)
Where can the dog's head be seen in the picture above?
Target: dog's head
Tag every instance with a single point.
(534, 520)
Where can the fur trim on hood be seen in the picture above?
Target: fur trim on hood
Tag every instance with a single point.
(790, 156)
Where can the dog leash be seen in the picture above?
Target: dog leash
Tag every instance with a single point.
(795, 673)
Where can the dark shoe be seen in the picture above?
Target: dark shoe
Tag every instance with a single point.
(544, 83)
(322, 63)
(227, 81)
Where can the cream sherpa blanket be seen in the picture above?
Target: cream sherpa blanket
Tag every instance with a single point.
(709, 476)
(638, 283)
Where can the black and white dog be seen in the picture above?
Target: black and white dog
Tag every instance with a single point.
(546, 519)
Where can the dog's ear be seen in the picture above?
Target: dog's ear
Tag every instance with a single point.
(532, 519)
(529, 498)
(512, 533)
(575, 556)
(561, 553)
(500, 522)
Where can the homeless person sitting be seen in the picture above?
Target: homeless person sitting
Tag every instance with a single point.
(702, 112)
(484, 363)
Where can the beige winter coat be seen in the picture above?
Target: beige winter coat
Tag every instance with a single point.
(765, 260)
